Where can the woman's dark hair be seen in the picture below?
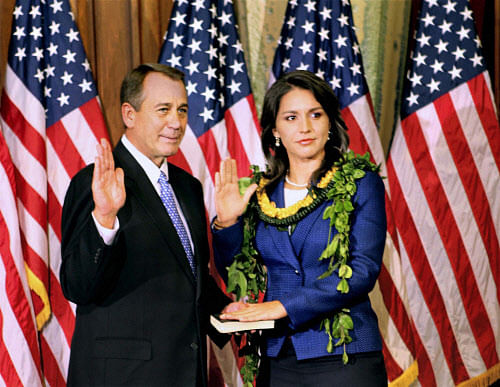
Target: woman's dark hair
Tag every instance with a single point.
(132, 85)
(276, 157)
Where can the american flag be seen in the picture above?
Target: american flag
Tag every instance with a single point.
(51, 120)
(202, 41)
(319, 36)
(19, 351)
(443, 171)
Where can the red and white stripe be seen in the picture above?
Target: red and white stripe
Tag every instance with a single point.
(389, 297)
(444, 177)
(20, 363)
(45, 160)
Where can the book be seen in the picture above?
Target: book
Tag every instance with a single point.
(228, 326)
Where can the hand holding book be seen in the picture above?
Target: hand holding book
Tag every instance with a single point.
(250, 316)
(270, 310)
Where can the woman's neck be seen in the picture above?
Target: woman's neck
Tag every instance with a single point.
(299, 173)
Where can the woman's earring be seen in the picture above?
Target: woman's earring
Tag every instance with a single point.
(277, 142)
(329, 133)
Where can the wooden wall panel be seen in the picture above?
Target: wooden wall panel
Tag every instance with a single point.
(116, 53)
(84, 17)
(150, 32)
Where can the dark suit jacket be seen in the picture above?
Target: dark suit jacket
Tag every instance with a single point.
(293, 269)
(141, 316)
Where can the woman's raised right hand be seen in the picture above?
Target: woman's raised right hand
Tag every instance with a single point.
(229, 203)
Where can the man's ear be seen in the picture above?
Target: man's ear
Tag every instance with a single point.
(128, 114)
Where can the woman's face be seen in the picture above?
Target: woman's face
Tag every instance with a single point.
(302, 125)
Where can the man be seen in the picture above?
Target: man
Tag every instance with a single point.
(136, 270)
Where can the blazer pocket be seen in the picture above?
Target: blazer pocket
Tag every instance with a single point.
(121, 348)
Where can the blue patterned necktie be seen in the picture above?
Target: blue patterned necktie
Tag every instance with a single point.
(167, 197)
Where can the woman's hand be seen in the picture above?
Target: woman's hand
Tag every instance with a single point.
(233, 307)
(229, 204)
(271, 310)
(108, 187)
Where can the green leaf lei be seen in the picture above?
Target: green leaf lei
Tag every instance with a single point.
(247, 275)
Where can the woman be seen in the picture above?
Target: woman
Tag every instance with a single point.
(303, 135)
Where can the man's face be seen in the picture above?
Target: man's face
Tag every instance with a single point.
(158, 127)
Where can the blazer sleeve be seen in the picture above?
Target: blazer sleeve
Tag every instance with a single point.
(89, 267)
(367, 240)
(226, 244)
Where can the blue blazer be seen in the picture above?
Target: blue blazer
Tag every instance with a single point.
(293, 269)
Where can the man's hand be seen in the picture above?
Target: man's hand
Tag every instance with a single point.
(108, 187)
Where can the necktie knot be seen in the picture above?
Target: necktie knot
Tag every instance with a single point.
(167, 197)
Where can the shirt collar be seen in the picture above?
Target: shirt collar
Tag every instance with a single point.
(151, 169)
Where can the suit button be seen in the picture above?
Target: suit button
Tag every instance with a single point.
(97, 254)
(194, 346)
(297, 272)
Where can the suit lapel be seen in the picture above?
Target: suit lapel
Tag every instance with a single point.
(305, 227)
(138, 184)
(188, 200)
(294, 243)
